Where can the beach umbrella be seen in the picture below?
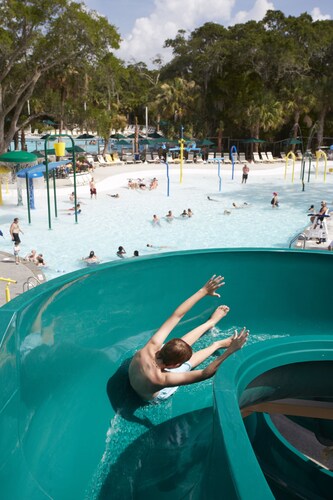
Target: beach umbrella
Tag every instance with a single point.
(147, 142)
(86, 136)
(155, 135)
(132, 136)
(122, 142)
(46, 136)
(252, 140)
(205, 142)
(160, 139)
(77, 149)
(117, 136)
(293, 141)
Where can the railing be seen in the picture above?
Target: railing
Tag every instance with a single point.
(299, 236)
(31, 282)
(7, 290)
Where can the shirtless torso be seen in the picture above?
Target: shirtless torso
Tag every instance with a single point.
(145, 374)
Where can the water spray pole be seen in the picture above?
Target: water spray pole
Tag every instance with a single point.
(232, 151)
(181, 154)
(219, 173)
(168, 178)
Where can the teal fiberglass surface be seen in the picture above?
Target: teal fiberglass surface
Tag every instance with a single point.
(70, 426)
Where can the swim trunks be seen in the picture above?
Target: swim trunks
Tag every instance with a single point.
(169, 391)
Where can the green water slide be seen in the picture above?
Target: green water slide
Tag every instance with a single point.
(71, 428)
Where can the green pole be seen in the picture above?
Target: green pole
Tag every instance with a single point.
(309, 171)
(28, 199)
(47, 181)
(55, 193)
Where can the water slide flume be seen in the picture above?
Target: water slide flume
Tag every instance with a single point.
(71, 427)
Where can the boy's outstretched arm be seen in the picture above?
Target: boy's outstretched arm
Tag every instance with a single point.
(210, 288)
(175, 379)
(195, 334)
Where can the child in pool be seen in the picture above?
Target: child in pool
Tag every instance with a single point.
(157, 369)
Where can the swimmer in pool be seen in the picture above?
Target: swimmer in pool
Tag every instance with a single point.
(157, 369)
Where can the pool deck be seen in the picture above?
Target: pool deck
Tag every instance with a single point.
(20, 273)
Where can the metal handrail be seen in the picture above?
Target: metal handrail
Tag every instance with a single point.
(31, 282)
(295, 238)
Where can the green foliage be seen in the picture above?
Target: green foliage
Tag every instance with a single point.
(256, 78)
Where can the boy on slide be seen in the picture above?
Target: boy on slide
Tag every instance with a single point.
(157, 369)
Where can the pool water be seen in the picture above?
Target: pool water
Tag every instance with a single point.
(106, 223)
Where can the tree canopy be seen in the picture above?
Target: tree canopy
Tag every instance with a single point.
(248, 80)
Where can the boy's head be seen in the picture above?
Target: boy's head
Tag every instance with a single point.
(175, 352)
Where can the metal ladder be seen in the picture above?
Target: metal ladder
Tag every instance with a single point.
(31, 282)
(299, 236)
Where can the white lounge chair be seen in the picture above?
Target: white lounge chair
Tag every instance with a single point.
(271, 157)
(257, 158)
(102, 161)
(226, 159)
(242, 158)
(264, 157)
(190, 157)
(155, 158)
(198, 158)
(129, 158)
(211, 157)
(169, 158)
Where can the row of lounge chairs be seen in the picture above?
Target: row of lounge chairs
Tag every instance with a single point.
(240, 158)
(130, 158)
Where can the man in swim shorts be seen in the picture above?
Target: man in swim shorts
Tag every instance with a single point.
(157, 369)
(15, 231)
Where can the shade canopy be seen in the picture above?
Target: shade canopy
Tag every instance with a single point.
(147, 142)
(132, 136)
(293, 141)
(160, 139)
(86, 136)
(38, 170)
(205, 142)
(46, 136)
(252, 140)
(155, 135)
(77, 149)
(117, 136)
(18, 157)
(122, 142)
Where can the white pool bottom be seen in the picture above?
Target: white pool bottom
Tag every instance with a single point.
(106, 223)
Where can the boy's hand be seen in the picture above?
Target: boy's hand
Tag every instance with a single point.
(219, 313)
(238, 340)
(213, 284)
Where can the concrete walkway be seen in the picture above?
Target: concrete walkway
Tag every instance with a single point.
(20, 273)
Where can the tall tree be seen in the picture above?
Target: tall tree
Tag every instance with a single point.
(35, 37)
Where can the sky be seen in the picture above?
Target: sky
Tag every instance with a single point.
(144, 25)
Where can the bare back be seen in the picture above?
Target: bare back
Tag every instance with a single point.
(145, 375)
